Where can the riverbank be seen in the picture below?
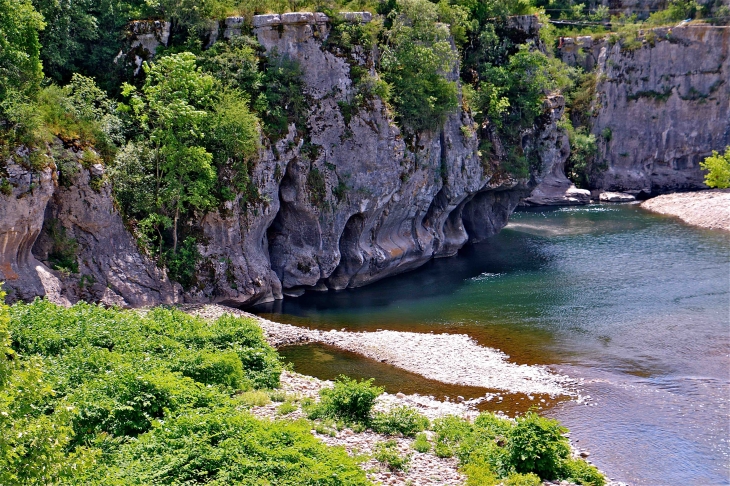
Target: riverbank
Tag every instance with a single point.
(707, 209)
(449, 358)
(425, 468)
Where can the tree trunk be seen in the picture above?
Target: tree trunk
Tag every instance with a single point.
(174, 230)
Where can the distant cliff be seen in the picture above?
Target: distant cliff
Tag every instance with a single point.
(662, 104)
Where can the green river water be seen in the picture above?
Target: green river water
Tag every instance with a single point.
(636, 306)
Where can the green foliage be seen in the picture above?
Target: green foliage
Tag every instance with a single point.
(421, 444)
(399, 420)
(517, 479)
(193, 134)
(493, 449)
(34, 443)
(146, 398)
(182, 264)
(718, 167)
(282, 101)
(583, 151)
(20, 67)
(581, 472)
(286, 408)
(387, 453)
(676, 10)
(317, 188)
(416, 59)
(537, 445)
(222, 445)
(254, 398)
(348, 400)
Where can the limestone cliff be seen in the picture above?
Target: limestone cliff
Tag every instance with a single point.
(344, 200)
(662, 104)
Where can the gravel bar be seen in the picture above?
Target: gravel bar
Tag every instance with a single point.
(448, 358)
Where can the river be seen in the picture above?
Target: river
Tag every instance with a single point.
(634, 305)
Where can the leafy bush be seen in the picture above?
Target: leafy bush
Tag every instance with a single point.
(718, 167)
(387, 453)
(286, 408)
(417, 55)
(34, 442)
(164, 378)
(348, 400)
(421, 444)
(517, 479)
(537, 445)
(20, 67)
(221, 445)
(254, 398)
(493, 449)
(581, 472)
(399, 420)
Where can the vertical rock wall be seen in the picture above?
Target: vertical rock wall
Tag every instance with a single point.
(343, 201)
(662, 105)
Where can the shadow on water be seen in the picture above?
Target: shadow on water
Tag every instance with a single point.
(636, 305)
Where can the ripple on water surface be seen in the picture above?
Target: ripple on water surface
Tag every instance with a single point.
(633, 303)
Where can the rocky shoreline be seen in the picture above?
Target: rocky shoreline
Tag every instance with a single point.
(707, 209)
(475, 365)
(449, 358)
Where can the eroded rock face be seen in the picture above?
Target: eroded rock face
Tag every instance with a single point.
(111, 268)
(341, 202)
(21, 220)
(361, 203)
(661, 107)
(554, 149)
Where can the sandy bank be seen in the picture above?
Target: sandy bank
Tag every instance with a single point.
(708, 209)
(449, 358)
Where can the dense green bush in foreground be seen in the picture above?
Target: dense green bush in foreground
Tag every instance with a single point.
(99, 396)
(90, 395)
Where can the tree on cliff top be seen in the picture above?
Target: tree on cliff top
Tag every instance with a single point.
(20, 65)
(718, 167)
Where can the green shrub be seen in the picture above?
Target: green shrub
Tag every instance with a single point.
(579, 471)
(349, 400)
(254, 398)
(421, 444)
(399, 420)
(416, 56)
(286, 408)
(387, 453)
(537, 445)
(479, 473)
(221, 445)
(517, 479)
(450, 432)
(718, 167)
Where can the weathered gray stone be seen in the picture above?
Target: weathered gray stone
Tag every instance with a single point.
(147, 36)
(297, 18)
(615, 197)
(21, 219)
(233, 27)
(363, 17)
(266, 20)
(111, 267)
(660, 108)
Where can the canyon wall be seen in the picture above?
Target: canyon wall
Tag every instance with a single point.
(344, 200)
(662, 104)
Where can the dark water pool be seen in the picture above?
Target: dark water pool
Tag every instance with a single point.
(635, 304)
